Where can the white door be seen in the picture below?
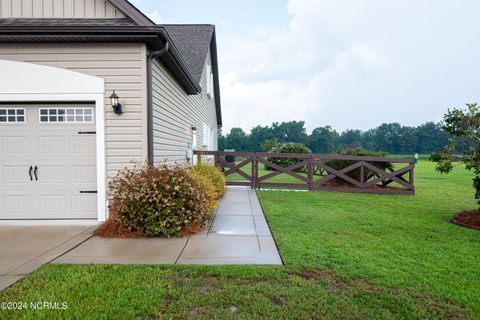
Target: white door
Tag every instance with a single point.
(47, 162)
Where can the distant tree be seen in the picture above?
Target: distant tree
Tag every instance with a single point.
(368, 138)
(237, 139)
(351, 138)
(463, 126)
(407, 140)
(387, 137)
(221, 140)
(258, 136)
(269, 144)
(431, 137)
(293, 131)
(323, 140)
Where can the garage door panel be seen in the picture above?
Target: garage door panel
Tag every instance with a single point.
(19, 205)
(15, 174)
(82, 144)
(83, 204)
(15, 145)
(83, 174)
(52, 174)
(55, 144)
(53, 204)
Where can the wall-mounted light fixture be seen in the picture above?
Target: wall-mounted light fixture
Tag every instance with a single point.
(117, 107)
(194, 137)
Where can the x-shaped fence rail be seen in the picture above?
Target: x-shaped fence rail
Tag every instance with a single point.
(316, 171)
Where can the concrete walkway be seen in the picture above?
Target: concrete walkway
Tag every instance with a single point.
(24, 248)
(239, 234)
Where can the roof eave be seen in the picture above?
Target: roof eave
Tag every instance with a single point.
(153, 36)
(216, 79)
(132, 12)
(189, 82)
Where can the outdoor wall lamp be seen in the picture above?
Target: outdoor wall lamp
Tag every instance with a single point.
(117, 107)
(194, 130)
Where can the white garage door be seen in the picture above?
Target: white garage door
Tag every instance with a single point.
(48, 162)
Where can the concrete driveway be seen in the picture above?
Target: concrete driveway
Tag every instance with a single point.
(23, 248)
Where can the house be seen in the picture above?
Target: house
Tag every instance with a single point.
(88, 87)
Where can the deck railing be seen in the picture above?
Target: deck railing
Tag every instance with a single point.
(315, 172)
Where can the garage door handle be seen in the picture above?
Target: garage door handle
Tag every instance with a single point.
(35, 173)
(30, 173)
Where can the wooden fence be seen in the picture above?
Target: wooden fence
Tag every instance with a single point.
(315, 172)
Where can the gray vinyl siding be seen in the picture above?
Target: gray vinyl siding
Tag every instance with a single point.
(123, 66)
(58, 9)
(174, 113)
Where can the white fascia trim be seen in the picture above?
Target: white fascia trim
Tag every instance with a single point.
(98, 97)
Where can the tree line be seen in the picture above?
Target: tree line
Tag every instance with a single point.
(388, 137)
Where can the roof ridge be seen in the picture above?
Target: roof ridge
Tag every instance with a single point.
(186, 24)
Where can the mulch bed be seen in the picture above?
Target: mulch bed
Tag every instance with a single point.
(345, 184)
(112, 228)
(469, 219)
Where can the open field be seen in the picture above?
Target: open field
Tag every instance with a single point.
(349, 256)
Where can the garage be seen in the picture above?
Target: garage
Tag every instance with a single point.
(48, 162)
(52, 144)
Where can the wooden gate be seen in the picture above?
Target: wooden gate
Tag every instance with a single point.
(315, 171)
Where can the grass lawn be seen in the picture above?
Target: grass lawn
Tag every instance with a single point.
(348, 256)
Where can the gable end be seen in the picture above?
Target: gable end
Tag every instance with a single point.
(80, 9)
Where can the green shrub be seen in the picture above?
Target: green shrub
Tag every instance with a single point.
(356, 173)
(290, 147)
(208, 187)
(158, 201)
(214, 175)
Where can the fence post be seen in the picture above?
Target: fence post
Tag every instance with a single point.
(199, 157)
(254, 171)
(362, 175)
(310, 173)
(411, 180)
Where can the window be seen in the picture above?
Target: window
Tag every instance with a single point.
(209, 82)
(67, 115)
(12, 115)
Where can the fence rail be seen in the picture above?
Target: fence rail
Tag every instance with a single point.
(316, 172)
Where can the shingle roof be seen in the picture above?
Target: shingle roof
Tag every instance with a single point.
(193, 42)
(66, 22)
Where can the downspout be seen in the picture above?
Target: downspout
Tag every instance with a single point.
(152, 55)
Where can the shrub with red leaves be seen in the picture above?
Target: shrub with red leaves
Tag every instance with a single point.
(161, 201)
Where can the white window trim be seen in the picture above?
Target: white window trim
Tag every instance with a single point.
(65, 115)
(15, 122)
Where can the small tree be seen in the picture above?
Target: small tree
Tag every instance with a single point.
(289, 147)
(464, 128)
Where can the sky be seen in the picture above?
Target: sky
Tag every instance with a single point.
(350, 64)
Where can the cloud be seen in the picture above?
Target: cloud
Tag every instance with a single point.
(354, 64)
(156, 17)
